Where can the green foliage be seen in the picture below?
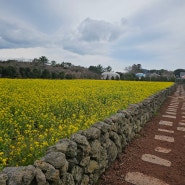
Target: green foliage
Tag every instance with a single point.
(127, 76)
(9, 71)
(38, 69)
(43, 60)
(36, 73)
(1, 71)
(61, 75)
(108, 69)
(97, 69)
(69, 76)
(135, 68)
(46, 74)
(53, 63)
(100, 69)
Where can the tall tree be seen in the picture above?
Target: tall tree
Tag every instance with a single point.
(43, 60)
(136, 68)
(36, 61)
(128, 69)
(53, 63)
(97, 69)
(108, 69)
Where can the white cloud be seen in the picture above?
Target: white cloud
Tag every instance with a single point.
(94, 32)
(17, 34)
(99, 30)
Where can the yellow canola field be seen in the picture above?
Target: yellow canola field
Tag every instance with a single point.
(34, 114)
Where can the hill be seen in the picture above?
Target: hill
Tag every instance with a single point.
(38, 69)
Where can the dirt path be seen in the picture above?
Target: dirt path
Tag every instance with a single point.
(158, 156)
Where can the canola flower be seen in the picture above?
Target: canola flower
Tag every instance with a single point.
(34, 114)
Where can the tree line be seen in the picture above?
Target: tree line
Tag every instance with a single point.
(150, 75)
(42, 68)
(27, 72)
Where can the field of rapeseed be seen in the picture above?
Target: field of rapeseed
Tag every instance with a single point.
(34, 114)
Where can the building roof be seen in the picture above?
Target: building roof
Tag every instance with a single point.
(140, 74)
(110, 73)
(182, 74)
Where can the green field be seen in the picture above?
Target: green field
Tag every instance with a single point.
(34, 114)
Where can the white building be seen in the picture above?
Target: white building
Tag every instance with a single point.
(182, 74)
(109, 76)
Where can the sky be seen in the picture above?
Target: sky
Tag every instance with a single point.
(116, 33)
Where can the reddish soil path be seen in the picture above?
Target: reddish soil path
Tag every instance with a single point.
(157, 156)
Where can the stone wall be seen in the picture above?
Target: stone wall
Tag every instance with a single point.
(81, 159)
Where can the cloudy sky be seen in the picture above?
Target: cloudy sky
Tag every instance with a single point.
(116, 33)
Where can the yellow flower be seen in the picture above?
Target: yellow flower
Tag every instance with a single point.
(4, 161)
(33, 118)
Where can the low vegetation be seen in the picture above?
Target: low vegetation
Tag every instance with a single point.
(34, 113)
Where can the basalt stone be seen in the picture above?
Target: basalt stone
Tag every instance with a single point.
(104, 138)
(103, 161)
(44, 166)
(112, 151)
(57, 159)
(49, 171)
(104, 127)
(123, 141)
(15, 175)
(85, 161)
(124, 130)
(29, 174)
(3, 178)
(66, 146)
(80, 139)
(64, 168)
(92, 166)
(40, 177)
(67, 179)
(134, 109)
(116, 139)
(113, 126)
(94, 178)
(85, 180)
(107, 120)
(124, 113)
(137, 127)
(95, 149)
(20, 175)
(81, 154)
(77, 173)
(117, 118)
(92, 133)
(83, 146)
(72, 163)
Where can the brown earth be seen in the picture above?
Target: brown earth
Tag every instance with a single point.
(130, 160)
